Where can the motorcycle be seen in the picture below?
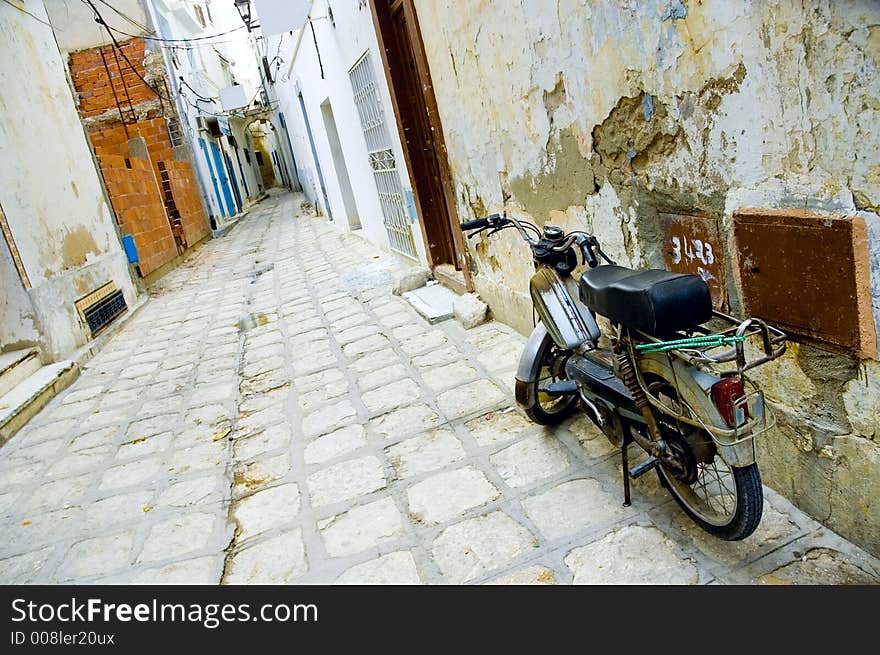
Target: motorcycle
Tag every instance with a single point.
(669, 377)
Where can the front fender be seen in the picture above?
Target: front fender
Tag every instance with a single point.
(528, 370)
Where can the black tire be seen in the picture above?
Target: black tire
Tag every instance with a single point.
(554, 412)
(750, 504)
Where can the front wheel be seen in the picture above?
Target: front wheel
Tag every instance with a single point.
(543, 408)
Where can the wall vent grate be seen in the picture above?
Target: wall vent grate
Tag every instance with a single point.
(99, 308)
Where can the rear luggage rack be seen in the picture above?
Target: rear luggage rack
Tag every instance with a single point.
(701, 347)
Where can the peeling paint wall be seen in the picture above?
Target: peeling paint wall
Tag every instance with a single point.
(50, 190)
(19, 327)
(601, 115)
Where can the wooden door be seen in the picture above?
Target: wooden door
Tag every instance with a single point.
(421, 131)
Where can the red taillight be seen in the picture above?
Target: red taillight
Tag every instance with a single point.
(725, 394)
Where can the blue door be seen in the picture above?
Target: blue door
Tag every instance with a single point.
(235, 189)
(224, 179)
(213, 176)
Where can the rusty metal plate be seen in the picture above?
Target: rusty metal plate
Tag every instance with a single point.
(808, 274)
(692, 244)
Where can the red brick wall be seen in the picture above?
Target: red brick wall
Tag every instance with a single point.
(96, 89)
(138, 205)
(135, 195)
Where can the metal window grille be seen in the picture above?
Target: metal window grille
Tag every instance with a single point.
(382, 161)
(174, 132)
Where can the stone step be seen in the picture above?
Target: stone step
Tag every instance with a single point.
(17, 366)
(28, 397)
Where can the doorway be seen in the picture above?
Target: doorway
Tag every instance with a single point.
(415, 108)
(348, 202)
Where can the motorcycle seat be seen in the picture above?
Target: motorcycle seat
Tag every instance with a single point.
(650, 300)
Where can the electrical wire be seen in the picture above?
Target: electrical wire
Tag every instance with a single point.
(198, 95)
(164, 40)
(25, 11)
(100, 20)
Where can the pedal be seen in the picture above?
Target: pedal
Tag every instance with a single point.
(639, 470)
(561, 388)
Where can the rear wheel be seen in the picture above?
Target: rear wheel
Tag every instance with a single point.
(725, 501)
(547, 409)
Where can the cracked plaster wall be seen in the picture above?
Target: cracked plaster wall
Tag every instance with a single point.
(598, 115)
(51, 193)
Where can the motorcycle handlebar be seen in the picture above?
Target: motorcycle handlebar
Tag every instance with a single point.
(479, 223)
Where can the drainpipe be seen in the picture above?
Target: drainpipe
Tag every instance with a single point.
(299, 40)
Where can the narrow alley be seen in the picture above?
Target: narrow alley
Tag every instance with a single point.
(274, 414)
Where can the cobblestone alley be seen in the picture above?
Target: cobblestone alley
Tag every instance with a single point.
(275, 415)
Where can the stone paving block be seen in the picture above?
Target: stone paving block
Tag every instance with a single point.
(423, 454)
(257, 421)
(330, 377)
(360, 347)
(16, 474)
(310, 400)
(130, 474)
(328, 418)
(533, 575)
(431, 340)
(395, 394)
(383, 376)
(450, 375)
(175, 537)
(60, 493)
(265, 510)
(397, 568)
(199, 571)
(145, 446)
(617, 558)
(362, 527)
(115, 509)
(96, 556)
(198, 458)
(470, 398)
(447, 495)
(197, 491)
(476, 547)
(335, 444)
(594, 443)
(82, 393)
(279, 560)
(274, 398)
(346, 480)
(499, 427)
(571, 507)
(41, 451)
(403, 422)
(24, 568)
(271, 438)
(534, 458)
(8, 501)
(774, 530)
(39, 432)
(396, 319)
(375, 360)
(820, 566)
(356, 333)
(247, 478)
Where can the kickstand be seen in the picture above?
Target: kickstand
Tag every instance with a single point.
(624, 458)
